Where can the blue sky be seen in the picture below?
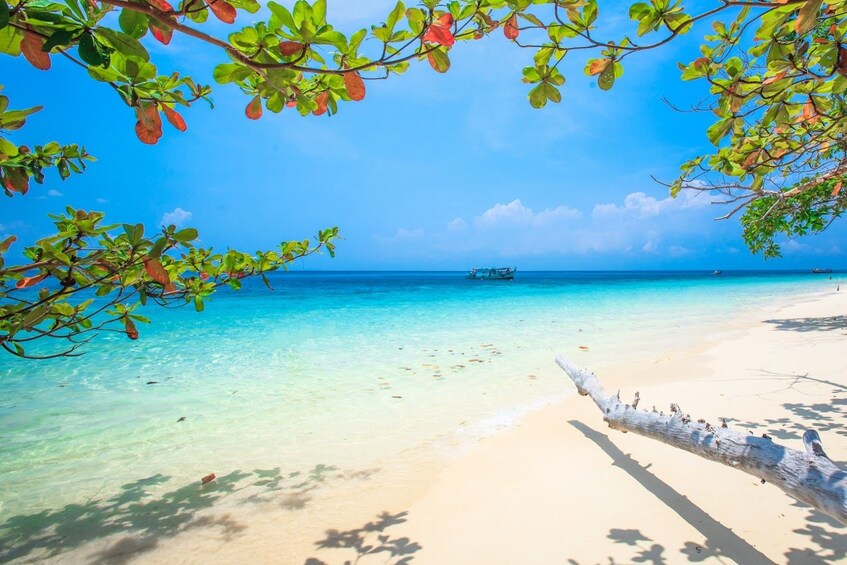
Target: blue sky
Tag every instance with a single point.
(428, 172)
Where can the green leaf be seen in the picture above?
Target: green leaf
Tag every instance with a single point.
(186, 235)
(439, 60)
(718, 130)
(198, 303)
(4, 14)
(133, 23)
(198, 16)
(275, 103)
(8, 148)
(589, 13)
(395, 15)
(319, 13)
(231, 72)
(538, 96)
(551, 92)
(356, 40)
(607, 78)
(59, 38)
(281, 16)
(123, 43)
(104, 75)
(92, 52)
(530, 75)
(10, 40)
(251, 6)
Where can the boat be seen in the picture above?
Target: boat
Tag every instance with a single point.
(821, 271)
(716, 273)
(492, 274)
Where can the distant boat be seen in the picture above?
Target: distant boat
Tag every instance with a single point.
(821, 271)
(717, 273)
(492, 274)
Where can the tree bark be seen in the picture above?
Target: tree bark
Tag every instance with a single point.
(809, 476)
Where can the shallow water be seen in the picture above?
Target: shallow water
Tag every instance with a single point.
(334, 369)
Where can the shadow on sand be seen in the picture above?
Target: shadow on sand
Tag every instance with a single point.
(144, 515)
(826, 323)
(370, 539)
(827, 538)
(720, 540)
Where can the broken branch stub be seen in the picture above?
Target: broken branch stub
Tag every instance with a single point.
(810, 476)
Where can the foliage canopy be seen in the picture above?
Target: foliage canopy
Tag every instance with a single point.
(776, 71)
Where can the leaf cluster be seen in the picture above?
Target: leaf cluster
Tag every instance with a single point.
(90, 277)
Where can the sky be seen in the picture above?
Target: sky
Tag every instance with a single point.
(429, 171)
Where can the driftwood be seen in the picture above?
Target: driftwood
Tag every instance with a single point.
(809, 476)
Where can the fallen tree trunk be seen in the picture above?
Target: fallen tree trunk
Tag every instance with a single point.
(809, 476)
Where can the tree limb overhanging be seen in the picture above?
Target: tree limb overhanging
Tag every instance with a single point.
(810, 476)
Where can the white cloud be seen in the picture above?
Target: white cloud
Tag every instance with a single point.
(400, 236)
(678, 251)
(792, 245)
(650, 247)
(516, 213)
(14, 225)
(53, 192)
(177, 217)
(403, 233)
(640, 205)
(457, 224)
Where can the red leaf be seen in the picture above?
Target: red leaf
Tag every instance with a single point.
(27, 282)
(131, 331)
(752, 158)
(291, 103)
(598, 66)
(6, 243)
(208, 478)
(355, 86)
(16, 181)
(164, 35)
(174, 118)
(837, 188)
(223, 10)
(254, 108)
(288, 48)
(842, 60)
(148, 128)
(156, 271)
(321, 100)
(510, 29)
(163, 5)
(204, 275)
(31, 48)
(439, 31)
(169, 288)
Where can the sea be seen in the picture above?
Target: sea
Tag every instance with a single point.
(333, 370)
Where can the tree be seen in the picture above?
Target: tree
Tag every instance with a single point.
(89, 277)
(776, 71)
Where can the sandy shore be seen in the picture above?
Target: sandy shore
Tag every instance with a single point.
(559, 486)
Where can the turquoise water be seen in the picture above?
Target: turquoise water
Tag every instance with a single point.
(345, 370)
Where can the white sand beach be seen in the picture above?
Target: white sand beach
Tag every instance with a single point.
(561, 487)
